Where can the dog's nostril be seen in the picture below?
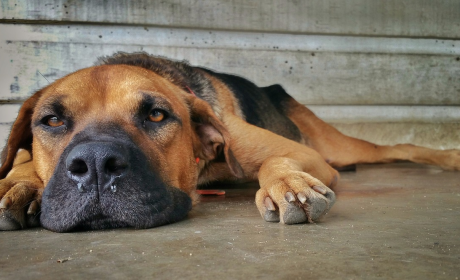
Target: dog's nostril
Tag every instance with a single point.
(115, 166)
(78, 167)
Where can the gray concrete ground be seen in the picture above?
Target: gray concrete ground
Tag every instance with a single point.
(399, 221)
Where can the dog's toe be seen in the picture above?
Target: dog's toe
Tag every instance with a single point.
(8, 221)
(296, 198)
(20, 205)
(271, 213)
(294, 214)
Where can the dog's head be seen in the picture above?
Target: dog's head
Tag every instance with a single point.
(117, 146)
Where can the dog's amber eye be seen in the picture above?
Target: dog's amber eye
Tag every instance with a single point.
(156, 115)
(53, 121)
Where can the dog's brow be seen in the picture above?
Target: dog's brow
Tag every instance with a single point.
(150, 99)
(55, 105)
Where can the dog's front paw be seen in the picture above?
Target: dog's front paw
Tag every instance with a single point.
(295, 198)
(20, 203)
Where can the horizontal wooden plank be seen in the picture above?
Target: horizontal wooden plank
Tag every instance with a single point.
(4, 133)
(387, 114)
(195, 38)
(8, 113)
(32, 56)
(410, 18)
(435, 136)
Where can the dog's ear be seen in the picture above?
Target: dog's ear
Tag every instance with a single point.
(212, 134)
(20, 135)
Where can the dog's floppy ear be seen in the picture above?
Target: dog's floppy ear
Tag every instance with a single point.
(20, 135)
(214, 137)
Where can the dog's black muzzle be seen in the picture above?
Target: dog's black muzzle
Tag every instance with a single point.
(105, 181)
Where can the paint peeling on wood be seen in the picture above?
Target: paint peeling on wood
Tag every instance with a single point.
(312, 76)
(409, 18)
(348, 58)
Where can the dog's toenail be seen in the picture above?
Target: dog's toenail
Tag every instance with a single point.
(302, 198)
(289, 197)
(5, 203)
(269, 204)
(32, 208)
(320, 189)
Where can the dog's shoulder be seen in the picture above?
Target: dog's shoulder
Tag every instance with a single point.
(265, 107)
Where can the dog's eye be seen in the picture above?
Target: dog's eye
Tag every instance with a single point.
(54, 121)
(157, 115)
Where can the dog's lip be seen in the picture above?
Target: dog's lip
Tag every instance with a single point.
(93, 212)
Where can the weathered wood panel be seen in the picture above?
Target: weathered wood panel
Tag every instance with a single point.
(434, 135)
(4, 132)
(409, 18)
(316, 72)
(8, 113)
(347, 57)
(390, 114)
(196, 38)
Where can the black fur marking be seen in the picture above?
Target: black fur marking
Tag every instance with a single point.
(263, 107)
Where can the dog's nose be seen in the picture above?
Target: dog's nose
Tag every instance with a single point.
(97, 165)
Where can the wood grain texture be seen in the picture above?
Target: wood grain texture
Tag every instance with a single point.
(315, 73)
(435, 135)
(387, 71)
(390, 114)
(8, 113)
(409, 18)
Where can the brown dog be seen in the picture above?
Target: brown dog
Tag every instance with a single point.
(125, 143)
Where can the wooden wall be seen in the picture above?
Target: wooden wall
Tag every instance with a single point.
(385, 70)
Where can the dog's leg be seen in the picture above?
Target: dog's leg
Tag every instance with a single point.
(340, 150)
(294, 179)
(20, 195)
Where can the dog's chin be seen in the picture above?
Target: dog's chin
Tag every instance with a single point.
(91, 211)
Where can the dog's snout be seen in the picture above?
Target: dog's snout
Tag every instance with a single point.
(96, 164)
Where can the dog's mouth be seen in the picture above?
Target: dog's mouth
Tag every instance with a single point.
(87, 212)
(108, 184)
(90, 213)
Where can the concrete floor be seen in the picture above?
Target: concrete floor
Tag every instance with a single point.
(399, 221)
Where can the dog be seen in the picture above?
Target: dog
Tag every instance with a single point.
(125, 143)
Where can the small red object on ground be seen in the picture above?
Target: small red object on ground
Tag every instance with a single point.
(211, 192)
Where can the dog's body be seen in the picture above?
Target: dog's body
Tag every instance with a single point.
(125, 143)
